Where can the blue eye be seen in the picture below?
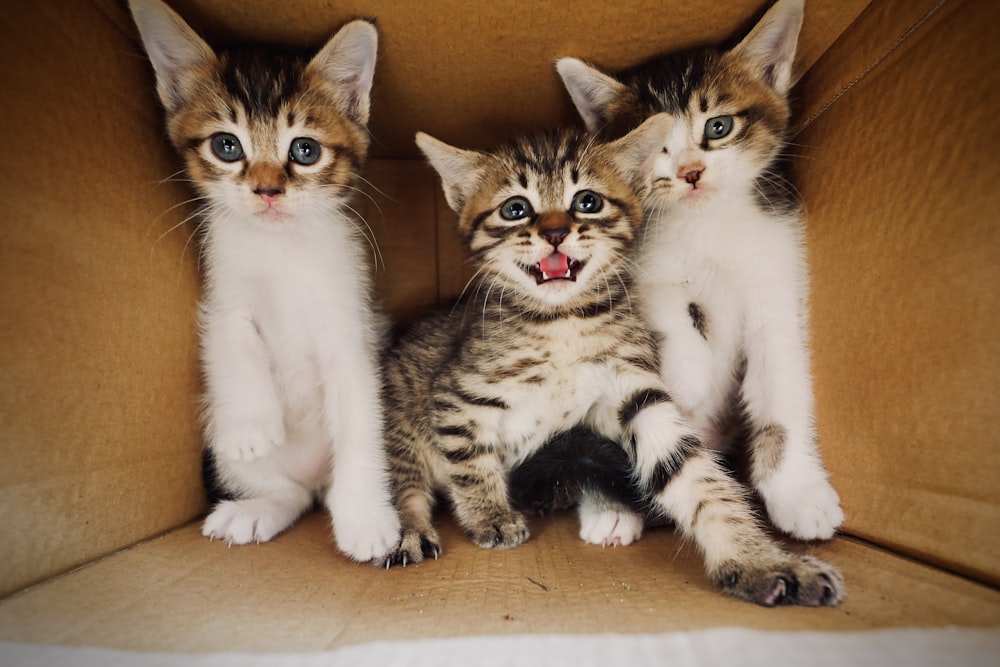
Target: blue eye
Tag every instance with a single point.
(227, 147)
(587, 201)
(304, 151)
(718, 127)
(515, 208)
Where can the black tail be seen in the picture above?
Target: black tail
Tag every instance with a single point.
(572, 463)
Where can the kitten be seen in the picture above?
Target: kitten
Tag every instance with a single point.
(274, 144)
(547, 342)
(722, 269)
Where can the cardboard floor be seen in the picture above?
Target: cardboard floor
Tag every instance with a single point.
(181, 592)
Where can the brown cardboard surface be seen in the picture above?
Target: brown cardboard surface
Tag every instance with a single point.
(901, 190)
(182, 592)
(398, 206)
(98, 432)
(473, 73)
(883, 33)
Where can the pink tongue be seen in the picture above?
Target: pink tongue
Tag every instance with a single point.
(555, 265)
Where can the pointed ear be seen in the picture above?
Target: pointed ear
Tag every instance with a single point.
(173, 48)
(632, 153)
(459, 169)
(592, 91)
(347, 60)
(770, 46)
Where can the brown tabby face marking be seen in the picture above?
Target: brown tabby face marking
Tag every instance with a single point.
(548, 239)
(729, 127)
(267, 105)
(730, 110)
(266, 136)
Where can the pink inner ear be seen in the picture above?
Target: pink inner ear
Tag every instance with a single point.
(555, 265)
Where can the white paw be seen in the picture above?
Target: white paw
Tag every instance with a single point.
(609, 527)
(805, 509)
(245, 521)
(247, 442)
(366, 535)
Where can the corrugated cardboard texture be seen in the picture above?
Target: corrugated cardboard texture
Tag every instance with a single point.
(184, 593)
(474, 73)
(98, 431)
(900, 180)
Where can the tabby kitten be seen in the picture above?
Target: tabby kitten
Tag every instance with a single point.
(549, 341)
(722, 271)
(290, 344)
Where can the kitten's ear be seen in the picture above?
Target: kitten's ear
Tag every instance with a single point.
(347, 60)
(459, 169)
(770, 46)
(173, 48)
(591, 90)
(631, 154)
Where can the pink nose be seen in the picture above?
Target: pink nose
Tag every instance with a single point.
(268, 194)
(691, 172)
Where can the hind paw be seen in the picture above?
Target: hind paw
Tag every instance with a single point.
(609, 527)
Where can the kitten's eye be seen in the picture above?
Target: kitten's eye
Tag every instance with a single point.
(718, 127)
(587, 201)
(515, 208)
(304, 151)
(227, 147)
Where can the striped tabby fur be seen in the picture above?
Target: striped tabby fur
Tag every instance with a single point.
(548, 340)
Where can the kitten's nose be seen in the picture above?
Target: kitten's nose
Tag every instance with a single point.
(691, 172)
(268, 194)
(554, 228)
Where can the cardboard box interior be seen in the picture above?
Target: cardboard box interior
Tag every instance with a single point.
(99, 273)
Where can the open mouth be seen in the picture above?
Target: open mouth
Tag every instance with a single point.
(556, 266)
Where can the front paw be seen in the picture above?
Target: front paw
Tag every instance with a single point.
(807, 508)
(252, 520)
(413, 547)
(246, 442)
(502, 531)
(799, 580)
(367, 536)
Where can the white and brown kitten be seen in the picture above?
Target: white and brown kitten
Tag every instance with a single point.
(722, 269)
(274, 144)
(549, 341)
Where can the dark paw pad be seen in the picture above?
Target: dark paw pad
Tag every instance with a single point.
(799, 580)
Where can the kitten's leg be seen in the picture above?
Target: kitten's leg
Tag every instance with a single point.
(365, 522)
(785, 465)
(707, 504)
(688, 485)
(243, 414)
(478, 486)
(413, 490)
(607, 522)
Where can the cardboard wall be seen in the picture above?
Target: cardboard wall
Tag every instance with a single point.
(900, 179)
(98, 380)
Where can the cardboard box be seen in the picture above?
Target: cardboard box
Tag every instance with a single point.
(100, 486)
